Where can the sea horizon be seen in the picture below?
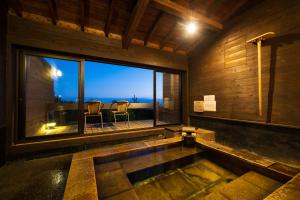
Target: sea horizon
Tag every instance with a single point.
(111, 99)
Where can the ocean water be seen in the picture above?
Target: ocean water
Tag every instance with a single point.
(110, 100)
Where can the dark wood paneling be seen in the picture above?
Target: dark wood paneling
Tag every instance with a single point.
(228, 67)
(2, 145)
(32, 34)
(3, 29)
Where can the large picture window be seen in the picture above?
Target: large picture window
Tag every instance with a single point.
(51, 96)
(113, 86)
(62, 95)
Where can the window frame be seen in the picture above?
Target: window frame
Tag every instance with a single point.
(180, 97)
(20, 104)
(21, 99)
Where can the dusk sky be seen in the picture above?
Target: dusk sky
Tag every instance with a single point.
(104, 80)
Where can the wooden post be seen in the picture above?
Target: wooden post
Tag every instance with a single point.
(259, 76)
(257, 40)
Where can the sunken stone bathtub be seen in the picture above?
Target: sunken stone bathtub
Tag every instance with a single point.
(164, 169)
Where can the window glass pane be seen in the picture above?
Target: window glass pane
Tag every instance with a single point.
(111, 85)
(51, 96)
(168, 98)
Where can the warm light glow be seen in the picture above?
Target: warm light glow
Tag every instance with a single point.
(55, 73)
(45, 130)
(51, 125)
(191, 27)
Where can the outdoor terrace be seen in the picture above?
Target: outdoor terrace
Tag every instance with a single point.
(144, 111)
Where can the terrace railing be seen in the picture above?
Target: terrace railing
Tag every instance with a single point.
(74, 106)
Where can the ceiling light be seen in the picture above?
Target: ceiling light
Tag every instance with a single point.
(191, 27)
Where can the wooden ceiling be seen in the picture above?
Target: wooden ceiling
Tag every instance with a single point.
(152, 23)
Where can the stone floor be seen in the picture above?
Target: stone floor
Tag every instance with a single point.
(43, 178)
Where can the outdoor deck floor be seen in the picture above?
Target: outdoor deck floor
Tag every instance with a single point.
(122, 125)
(96, 128)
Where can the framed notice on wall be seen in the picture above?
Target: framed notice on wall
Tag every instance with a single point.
(210, 106)
(198, 106)
(209, 98)
(210, 103)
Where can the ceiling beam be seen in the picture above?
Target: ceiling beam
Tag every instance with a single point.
(168, 36)
(185, 13)
(84, 13)
(134, 21)
(198, 6)
(214, 7)
(16, 5)
(53, 11)
(153, 28)
(109, 17)
(234, 10)
(207, 6)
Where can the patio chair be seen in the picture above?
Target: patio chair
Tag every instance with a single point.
(122, 107)
(94, 109)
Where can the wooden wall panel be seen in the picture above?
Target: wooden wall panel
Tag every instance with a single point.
(33, 34)
(228, 67)
(3, 29)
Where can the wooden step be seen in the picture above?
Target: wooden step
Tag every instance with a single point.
(288, 191)
(157, 158)
(250, 186)
(193, 180)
